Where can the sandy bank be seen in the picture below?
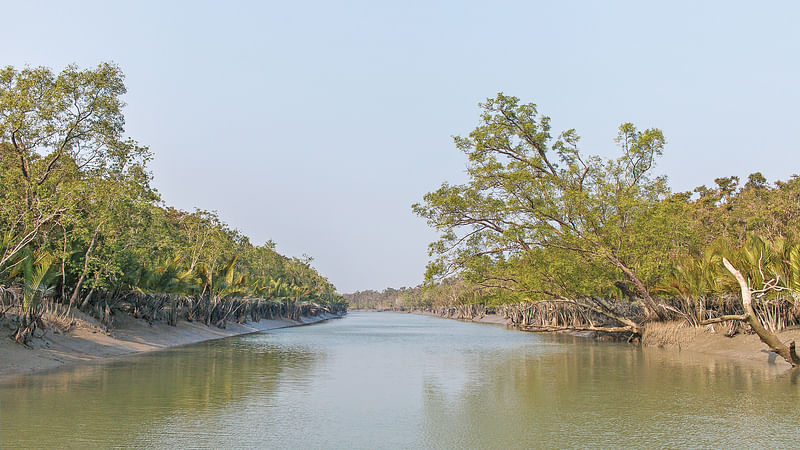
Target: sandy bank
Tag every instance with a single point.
(711, 340)
(682, 338)
(130, 336)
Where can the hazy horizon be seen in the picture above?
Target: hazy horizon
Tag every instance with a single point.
(317, 125)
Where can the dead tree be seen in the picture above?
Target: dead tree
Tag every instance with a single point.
(787, 352)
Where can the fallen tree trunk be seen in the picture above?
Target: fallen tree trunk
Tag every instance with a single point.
(789, 352)
(597, 329)
(604, 310)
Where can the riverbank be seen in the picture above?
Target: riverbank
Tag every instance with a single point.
(493, 319)
(711, 340)
(403, 381)
(130, 336)
(679, 337)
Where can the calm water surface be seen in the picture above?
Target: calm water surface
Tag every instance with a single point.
(379, 380)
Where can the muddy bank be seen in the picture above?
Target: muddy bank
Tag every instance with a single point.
(491, 317)
(129, 336)
(487, 318)
(712, 340)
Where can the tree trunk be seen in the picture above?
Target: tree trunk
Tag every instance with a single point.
(86, 300)
(76, 292)
(603, 310)
(651, 307)
(786, 352)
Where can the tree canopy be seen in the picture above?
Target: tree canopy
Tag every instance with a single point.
(76, 193)
(542, 222)
(530, 193)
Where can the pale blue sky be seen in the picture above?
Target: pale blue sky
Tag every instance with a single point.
(318, 124)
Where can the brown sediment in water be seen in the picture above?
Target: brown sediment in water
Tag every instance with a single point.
(130, 336)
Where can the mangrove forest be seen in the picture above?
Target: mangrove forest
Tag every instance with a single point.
(82, 229)
(555, 238)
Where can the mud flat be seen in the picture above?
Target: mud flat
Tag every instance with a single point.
(130, 336)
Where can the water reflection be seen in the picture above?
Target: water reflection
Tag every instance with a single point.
(129, 399)
(592, 394)
(376, 380)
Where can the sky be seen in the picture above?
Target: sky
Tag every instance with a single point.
(318, 124)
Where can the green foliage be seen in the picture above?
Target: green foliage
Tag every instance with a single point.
(79, 213)
(774, 265)
(37, 277)
(531, 199)
(539, 219)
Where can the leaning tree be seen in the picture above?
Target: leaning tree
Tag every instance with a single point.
(529, 194)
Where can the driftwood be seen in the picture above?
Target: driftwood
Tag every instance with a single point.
(787, 352)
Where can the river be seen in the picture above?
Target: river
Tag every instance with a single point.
(382, 380)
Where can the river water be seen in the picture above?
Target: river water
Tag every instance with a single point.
(381, 380)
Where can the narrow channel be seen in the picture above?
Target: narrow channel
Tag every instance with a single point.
(384, 380)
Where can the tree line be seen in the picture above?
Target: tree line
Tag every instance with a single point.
(562, 239)
(81, 225)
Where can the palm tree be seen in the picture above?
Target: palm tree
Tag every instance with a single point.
(37, 284)
(693, 280)
(221, 281)
(167, 278)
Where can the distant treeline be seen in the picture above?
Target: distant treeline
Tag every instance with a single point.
(81, 225)
(444, 293)
(385, 300)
